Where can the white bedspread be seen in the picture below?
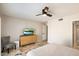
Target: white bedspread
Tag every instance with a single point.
(53, 50)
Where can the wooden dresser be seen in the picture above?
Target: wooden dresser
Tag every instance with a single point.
(24, 40)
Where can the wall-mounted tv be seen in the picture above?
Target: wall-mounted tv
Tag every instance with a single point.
(28, 31)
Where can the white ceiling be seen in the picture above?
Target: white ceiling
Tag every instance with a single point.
(29, 10)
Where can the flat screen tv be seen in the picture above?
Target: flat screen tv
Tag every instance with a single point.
(28, 31)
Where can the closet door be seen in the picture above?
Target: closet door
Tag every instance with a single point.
(76, 34)
(77, 37)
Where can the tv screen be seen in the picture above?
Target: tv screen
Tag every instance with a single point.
(28, 33)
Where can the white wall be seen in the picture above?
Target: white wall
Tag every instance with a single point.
(14, 27)
(60, 32)
(0, 35)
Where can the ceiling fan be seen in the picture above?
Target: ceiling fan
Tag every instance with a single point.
(46, 12)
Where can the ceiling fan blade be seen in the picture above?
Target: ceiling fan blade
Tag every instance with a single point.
(49, 15)
(39, 14)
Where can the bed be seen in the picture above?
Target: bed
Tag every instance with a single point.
(53, 50)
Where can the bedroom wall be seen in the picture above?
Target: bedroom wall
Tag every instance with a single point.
(14, 27)
(60, 32)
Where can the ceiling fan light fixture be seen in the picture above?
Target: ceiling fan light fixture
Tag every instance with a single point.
(44, 15)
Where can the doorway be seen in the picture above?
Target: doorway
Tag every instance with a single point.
(44, 32)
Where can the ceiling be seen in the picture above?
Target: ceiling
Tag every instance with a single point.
(29, 10)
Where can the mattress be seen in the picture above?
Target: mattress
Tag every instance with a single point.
(53, 50)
